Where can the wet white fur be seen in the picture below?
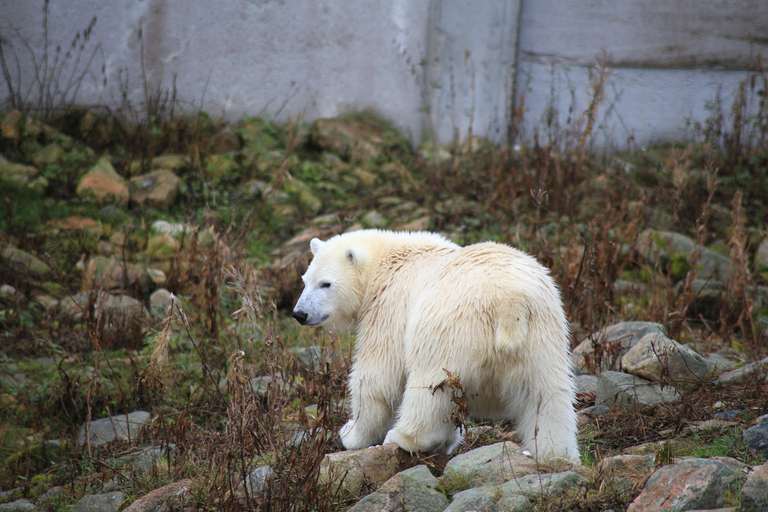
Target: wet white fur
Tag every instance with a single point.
(488, 313)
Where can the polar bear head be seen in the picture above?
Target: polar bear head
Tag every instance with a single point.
(333, 287)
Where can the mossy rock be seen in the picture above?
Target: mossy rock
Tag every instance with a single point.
(220, 168)
(102, 184)
(23, 176)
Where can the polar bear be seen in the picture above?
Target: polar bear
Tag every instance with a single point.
(423, 306)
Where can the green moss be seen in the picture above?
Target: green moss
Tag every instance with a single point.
(680, 266)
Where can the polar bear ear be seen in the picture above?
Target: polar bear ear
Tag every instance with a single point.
(315, 245)
(354, 256)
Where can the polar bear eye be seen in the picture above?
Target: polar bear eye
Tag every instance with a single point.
(325, 284)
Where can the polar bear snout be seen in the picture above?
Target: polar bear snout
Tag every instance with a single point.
(300, 316)
(308, 318)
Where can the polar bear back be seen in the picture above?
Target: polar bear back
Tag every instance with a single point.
(463, 306)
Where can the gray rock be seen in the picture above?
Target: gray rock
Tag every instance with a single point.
(157, 277)
(7, 290)
(47, 155)
(260, 385)
(256, 483)
(175, 228)
(123, 427)
(626, 470)
(167, 497)
(550, 484)
(761, 256)
(615, 341)
(585, 383)
(116, 274)
(159, 301)
(109, 502)
(720, 363)
(170, 161)
(707, 296)
(514, 503)
(105, 304)
(472, 500)
(353, 140)
(668, 245)
(756, 437)
(147, 459)
(315, 357)
(354, 471)
(691, 484)
(26, 262)
(422, 223)
(434, 153)
(655, 354)
(740, 376)
(20, 175)
(623, 287)
(47, 301)
(302, 196)
(162, 247)
(754, 492)
(595, 411)
(517, 493)
(157, 189)
(20, 506)
(739, 471)
(491, 464)
(413, 490)
(375, 220)
(104, 185)
(12, 377)
(616, 389)
(51, 495)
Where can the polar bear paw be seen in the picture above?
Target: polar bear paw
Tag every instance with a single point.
(394, 437)
(350, 437)
(458, 438)
(425, 444)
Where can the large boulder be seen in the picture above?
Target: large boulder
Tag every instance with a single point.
(756, 437)
(354, 471)
(167, 497)
(617, 389)
(351, 139)
(754, 493)
(491, 464)
(124, 427)
(656, 355)
(744, 374)
(113, 274)
(255, 484)
(157, 189)
(22, 176)
(102, 184)
(516, 494)
(675, 248)
(414, 489)
(107, 502)
(25, 261)
(603, 349)
(689, 485)
(761, 257)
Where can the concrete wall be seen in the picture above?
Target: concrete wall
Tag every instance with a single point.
(668, 60)
(437, 68)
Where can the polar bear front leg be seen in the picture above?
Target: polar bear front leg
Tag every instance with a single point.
(371, 413)
(423, 424)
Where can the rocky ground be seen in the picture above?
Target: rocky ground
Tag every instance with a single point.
(148, 360)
